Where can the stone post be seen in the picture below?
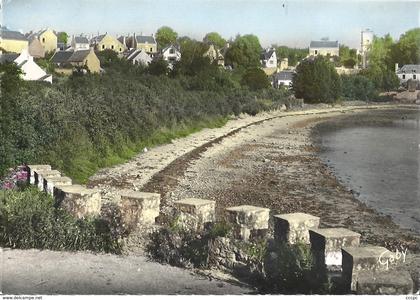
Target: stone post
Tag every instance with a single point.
(391, 282)
(50, 183)
(44, 174)
(294, 228)
(369, 258)
(78, 200)
(195, 213)
(138, 208)
(33, 178)
(248, 221)
(326, 244)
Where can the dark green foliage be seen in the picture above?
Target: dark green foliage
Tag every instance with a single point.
(165, 36)
(28, 219)
(407, 49)
(158, 67)
(383, 78)
(179, 247)
(83, 123)
(293, 271)
(108, 57)
(358, 87)
(62, 37)
(214, 38)
(244, 52)
(294, 55)
(316, 81)
(255, 79)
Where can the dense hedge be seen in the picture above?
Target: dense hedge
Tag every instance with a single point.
(28, 219)
(82, 123)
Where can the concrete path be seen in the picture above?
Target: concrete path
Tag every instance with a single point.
(51, 272)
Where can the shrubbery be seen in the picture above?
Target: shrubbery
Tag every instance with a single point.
(358, 87)
(82, 123)
(316, 81)
(28, 219)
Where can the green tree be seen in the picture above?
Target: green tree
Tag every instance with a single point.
(192, 60)
(348, 57)
(244, 52)
(255, 79)
(407, 49)
(214, 38)
(316, 81)
(165, 36)
(62, 37)
(294, 55)
(358, 87)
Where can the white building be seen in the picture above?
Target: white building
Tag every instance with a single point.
(80, 43)
(324, 47)
(269, 58)
(30, 70)
(283, 78)
(171, 54)
(138, 56)
(408, 72)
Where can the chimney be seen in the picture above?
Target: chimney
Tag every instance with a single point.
(396, 67)
(134, 43)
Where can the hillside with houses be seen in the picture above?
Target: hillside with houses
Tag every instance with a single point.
(60, 54)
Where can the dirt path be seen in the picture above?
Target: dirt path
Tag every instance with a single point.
(50, 272)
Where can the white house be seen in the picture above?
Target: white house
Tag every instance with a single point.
(269, 58)
(138, 56)
(283, 78)
(171, 54)
(324, 47)
(30, 70)
(408, 72)
(80, 43)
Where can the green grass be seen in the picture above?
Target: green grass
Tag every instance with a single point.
(88, 162)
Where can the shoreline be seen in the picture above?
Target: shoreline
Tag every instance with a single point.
(382, 118)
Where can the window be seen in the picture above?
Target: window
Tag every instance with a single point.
(316, 52)
(403, 77)
(414, 76)
(103, 46)
(120, 49)
(171, 51)
(112, 47)
(151, 49)
(43, 40)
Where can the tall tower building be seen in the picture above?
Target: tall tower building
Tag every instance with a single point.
(365, 45)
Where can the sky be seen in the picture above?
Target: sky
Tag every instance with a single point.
(284, 22)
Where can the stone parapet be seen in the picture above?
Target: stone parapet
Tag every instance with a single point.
(195, 213)
(51, 182)
(78, 200)
(45, 174)
(326, 244)
(294, 228)
(384, 283)
(33, 179)
(368, 258)
(138, 208)
(248, 221)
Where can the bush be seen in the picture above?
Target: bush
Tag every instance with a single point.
(293, 271)
(358, 87)
(316, 81)
(28, 219)
(83, 123)
(255, 79)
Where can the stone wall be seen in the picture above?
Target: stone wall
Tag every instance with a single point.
(336, 252)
